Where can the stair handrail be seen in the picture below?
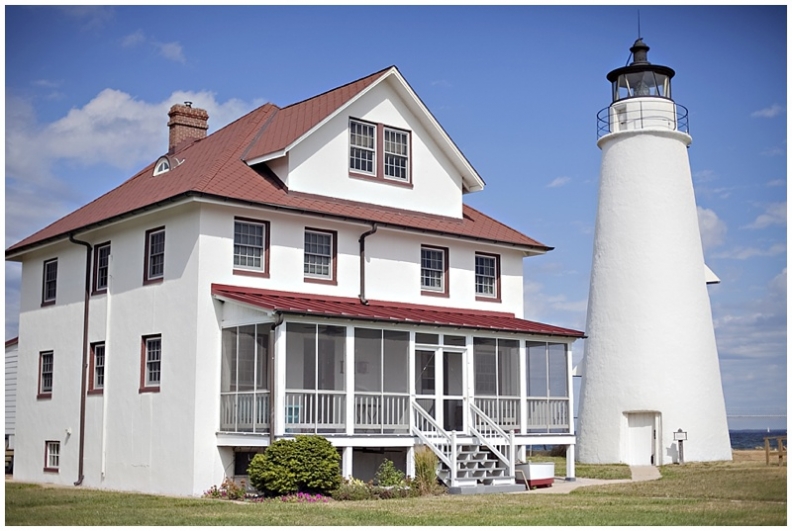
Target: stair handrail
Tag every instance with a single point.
(444, 435)
(477, 414)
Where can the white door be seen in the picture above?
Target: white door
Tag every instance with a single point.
(640, 427)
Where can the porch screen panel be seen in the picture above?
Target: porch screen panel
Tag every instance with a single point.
(484, 361)
(262, 357)
(508, 367)
(368, 356)
(331, 342)
(300, 356)
(557, 369)
(395, 353)
(228, 367)
(536, 378)
(246, 357)
(424, 372)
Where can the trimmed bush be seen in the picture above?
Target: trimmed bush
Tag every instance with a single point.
(308, 463)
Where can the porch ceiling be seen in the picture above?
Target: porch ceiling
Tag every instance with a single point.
(392, 312)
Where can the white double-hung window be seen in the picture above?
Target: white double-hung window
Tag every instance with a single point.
(487, 276)
(362, 147)
(249, 245)
(396, 153)
(319, 257)
(434, 270)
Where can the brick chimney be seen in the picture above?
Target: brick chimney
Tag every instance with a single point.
(186, 123)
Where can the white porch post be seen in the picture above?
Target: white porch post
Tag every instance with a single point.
(411, 391)
(523, 365)
(439, 390)
(570, 462)
(469, 389)
(410, 472)
(278, 395)
(346, 462)
(349, 384)
(570, 393)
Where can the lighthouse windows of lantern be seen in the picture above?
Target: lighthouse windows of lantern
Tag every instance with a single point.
(645, 83)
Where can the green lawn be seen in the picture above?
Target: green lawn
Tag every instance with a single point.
(696, 494)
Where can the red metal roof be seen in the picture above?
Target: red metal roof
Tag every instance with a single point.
(293, 121)
(214, 167)
(393, 312)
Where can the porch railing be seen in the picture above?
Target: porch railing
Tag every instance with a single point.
(315, 411)
(545, 414)
(382, 413)
(504, 411)
(500, 443)
(436, 438)
(245, 411)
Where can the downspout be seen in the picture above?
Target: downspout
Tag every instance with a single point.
(362, 241)
(273, 379)
(88, 249)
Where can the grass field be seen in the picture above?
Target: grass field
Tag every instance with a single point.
(743, 492)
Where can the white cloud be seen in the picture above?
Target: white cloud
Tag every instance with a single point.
(774, 214)
(133, 39)
(113, 129)
(777, 182)
(91, 17)
(712, 228)
(743, 253)
(171, 50)
(768, 112)
(555, 309)
(773, 152)
(703, 176)
(558, 181)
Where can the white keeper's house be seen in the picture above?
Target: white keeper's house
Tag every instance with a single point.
(305, 269)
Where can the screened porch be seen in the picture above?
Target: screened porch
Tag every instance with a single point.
(363, 379)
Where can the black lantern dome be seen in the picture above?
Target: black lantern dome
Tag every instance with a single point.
(641, 78)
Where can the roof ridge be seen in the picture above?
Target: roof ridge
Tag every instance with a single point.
(306, 100)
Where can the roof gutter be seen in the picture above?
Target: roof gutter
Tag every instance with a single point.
(86, 306)
(12, 252)
(362, 241)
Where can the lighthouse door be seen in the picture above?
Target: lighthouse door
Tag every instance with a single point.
(640, 439)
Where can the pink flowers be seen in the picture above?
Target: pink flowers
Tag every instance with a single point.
(302, 497)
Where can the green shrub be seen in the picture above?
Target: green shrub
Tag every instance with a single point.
(308, 463)
(351, 490)
(425, 470)
(229, 490)
(388, 475)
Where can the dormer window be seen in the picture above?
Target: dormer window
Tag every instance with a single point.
(379, 152)
(162, 166)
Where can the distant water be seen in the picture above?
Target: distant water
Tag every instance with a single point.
(750, 439)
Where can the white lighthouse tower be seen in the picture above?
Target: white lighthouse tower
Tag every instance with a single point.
(650, 367)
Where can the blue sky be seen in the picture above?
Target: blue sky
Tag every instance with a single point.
(517, 88)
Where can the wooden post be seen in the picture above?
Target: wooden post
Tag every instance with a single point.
(767, 451)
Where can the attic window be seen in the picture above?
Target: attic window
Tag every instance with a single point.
(162, 166)
(380, 152)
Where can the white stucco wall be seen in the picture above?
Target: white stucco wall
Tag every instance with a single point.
(651, 345)
(392, 260)
(320, 163)
(11, 362)
(133, 441)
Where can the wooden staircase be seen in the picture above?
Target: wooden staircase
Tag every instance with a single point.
(485, 465)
